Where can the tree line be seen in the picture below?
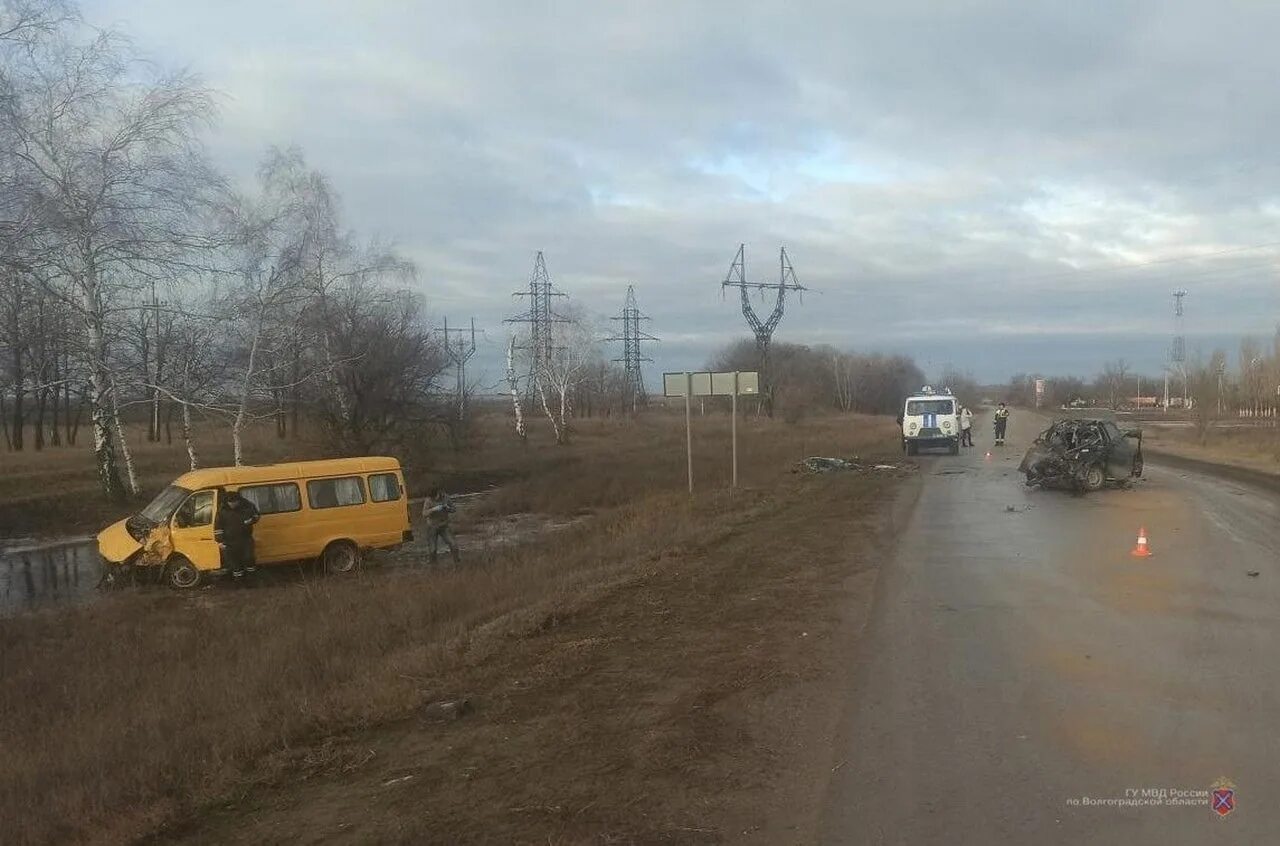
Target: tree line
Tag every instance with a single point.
(136, 280)
(822, 378)
(1210, 385)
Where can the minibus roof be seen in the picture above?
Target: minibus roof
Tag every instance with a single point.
(213, 477)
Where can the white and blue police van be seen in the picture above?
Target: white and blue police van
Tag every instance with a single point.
(930, 419)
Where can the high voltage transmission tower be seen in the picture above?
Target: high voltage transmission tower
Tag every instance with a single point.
(632, 356)
(1178, 350)
(541, 318)
(737, 278)
(763, 329)
(460, 346)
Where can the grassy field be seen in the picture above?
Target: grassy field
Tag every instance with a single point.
(640, 676)
(1254, 447)
(55, 492)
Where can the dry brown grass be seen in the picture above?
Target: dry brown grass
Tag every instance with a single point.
(123, 716)
(1254, 447)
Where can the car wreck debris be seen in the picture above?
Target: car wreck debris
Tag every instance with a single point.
(1083, 455)
(819, 464)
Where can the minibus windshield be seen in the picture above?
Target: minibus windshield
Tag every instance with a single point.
(162, 507)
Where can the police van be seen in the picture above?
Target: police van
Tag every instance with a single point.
(930, 419)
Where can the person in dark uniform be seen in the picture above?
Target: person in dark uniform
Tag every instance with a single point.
(1001, 423)
(233, 530)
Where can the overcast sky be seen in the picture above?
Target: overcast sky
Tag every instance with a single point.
(985, 184)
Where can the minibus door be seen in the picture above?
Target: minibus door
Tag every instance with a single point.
(192, 531)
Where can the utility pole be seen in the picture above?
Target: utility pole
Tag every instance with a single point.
(460, 347)
(763, 329)
(541, 319)
(632, 357)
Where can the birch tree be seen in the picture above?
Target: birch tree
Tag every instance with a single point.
(110, 155)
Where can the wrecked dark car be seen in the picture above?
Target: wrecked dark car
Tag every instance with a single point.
(1083, 455)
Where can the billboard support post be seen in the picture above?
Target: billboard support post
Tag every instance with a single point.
(703, 383)
(688, 425)
(733, 428)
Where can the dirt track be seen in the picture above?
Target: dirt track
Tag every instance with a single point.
(1021, 659)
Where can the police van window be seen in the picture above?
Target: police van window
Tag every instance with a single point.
(384, 487)
(274, 499)
(196, 511)
(332, 493)
(933, 406)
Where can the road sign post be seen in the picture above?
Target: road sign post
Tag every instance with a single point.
(733, 429)
(688, 425)
(689, 384)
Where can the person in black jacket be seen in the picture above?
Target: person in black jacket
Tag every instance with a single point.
(233, 530)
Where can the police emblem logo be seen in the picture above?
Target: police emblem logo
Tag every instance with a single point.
(1223, 797)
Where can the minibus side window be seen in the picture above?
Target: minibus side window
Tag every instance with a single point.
(332, 493)
(196, 511)
(384, 487)
(274, 499)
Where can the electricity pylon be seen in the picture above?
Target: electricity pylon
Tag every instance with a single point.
(460, 347)
(633, 357)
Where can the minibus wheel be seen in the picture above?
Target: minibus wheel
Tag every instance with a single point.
(340, 557)
(181, 574)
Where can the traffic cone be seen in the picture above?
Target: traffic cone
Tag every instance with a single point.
(1142, 550)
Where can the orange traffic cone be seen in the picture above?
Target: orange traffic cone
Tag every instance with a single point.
(1142, 550)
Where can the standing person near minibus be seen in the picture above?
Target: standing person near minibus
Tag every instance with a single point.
(233, 530)
(966, 426)
(438, 508)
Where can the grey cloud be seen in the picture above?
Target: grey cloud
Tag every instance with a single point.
(933, 168)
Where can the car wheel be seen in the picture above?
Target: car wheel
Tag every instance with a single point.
(955, 447)
(913, 448)
(340, 557)
(181, 574)
(1094, 477)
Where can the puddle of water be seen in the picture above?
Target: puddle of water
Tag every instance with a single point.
(33, 575)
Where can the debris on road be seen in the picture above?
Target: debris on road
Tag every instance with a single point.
(820, 464)
(1253, 573)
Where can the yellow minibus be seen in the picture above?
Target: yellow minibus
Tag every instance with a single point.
(334, 510)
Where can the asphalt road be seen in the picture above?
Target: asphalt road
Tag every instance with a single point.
(1018, 661)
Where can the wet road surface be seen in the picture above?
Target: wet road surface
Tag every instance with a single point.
(1018, 661)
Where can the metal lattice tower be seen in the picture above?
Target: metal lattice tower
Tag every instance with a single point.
(1179, 352)
(632, 356)
(737, 278)
(541, 318)
(460, 346)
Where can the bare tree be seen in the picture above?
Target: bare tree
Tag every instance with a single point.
(1113, 380)
(575, 348)
(513, 384)
(117, 176)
